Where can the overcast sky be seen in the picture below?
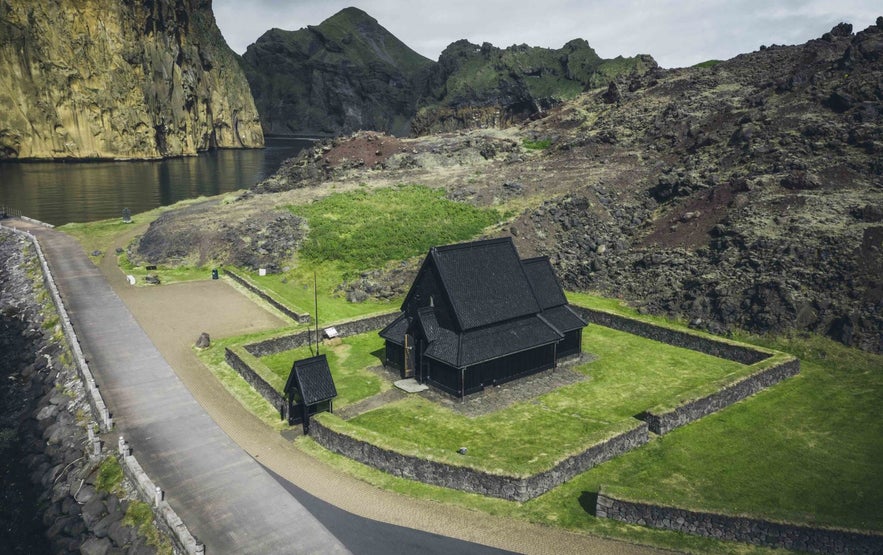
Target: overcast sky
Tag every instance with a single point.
(676, 33)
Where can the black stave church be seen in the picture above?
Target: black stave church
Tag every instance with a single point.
(477, 315)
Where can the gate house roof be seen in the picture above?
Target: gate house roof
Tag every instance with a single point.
(312, 378)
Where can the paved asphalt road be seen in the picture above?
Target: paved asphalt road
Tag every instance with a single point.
(371, 537)
(223, 495)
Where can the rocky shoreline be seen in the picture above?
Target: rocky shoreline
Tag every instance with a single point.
(60, 494)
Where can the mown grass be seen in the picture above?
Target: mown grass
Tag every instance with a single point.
(364, 230)
(294, 289)
(166, 274)
(213, 359)
(348, 361)
(529, 437)
(807, 450)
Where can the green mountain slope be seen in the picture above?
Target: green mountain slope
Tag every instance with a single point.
(350, 73)
(492, 86)
(346, 73)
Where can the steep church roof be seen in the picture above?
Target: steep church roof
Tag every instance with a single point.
(475, 302)
(483, 280)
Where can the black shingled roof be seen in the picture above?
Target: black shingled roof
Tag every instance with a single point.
(485, 282)
(491, 342)
(397, 329)
(313, 380)
(544, 282)
(563, 319)
(501, 304)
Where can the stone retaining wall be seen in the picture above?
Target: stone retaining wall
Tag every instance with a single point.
(299, 318)
(709, 346)
(740, 529)
(462, 478)
(293, 341)
(99, 408)
(180, 534)
(254, 380)
(150, 491)
(665, 422)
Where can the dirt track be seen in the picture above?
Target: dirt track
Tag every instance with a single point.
(173, 316)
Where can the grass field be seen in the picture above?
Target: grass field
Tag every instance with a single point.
(348, 362)
(532, 436)
(806, 450)
(361, 230)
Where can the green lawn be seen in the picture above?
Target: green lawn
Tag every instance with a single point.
(807, 450)
(294, 289)
(348, 362)
(630, 375)
(213, 358)
(361, 230)
(364, 230)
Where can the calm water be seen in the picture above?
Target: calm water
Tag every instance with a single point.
(62, 192)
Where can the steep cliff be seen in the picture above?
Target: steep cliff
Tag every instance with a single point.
(349, 73)
(111, 79)
(486, 86)
(346, 73)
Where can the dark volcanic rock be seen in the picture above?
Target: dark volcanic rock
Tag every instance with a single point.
(48, 503)
(347, 73)
(197, 234)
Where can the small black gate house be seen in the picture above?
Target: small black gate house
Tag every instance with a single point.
(309, 389)
(477, 315)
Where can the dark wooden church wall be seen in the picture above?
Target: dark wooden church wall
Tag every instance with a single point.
(571, 344)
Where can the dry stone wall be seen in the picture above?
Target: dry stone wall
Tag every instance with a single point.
(293, 341)
(258, 383)
(694, 342)
(512, 488)
(662, 423)
(297, 317)
(665, 422)
(740, 529)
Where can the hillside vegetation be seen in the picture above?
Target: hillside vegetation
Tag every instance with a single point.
(744, 195)
(349, 73)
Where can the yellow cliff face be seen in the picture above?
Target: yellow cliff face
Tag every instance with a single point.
(111, 79)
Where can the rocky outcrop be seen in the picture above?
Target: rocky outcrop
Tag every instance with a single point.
(107, 79)
(250, 236)
(345, 74)
(753, 206)
(349, 74)
(485, 86)
(737, 194)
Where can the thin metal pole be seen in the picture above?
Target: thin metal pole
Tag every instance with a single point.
(316, 301)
